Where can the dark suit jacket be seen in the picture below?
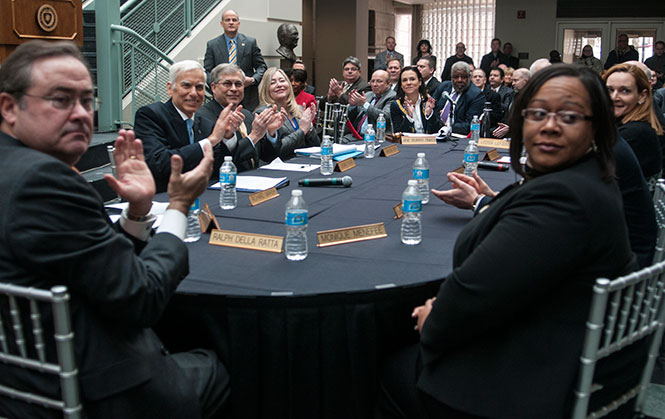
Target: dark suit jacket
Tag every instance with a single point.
(613, 58)
(513, 62)
(512, 338)
(433, 85)
(290, 138)
(401, 122)
(495, 104)
(246, 156)
(644, 142)
(486, 61)
(249, 59)
(55, 231)
(380, 60)
(447, 68)
(469, 103)
(507, 94)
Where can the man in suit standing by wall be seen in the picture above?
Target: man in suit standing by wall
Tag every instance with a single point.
(493, 58)
(236, 48)
(174, 128)
(382, 58)
(120, 277)
(365, 108)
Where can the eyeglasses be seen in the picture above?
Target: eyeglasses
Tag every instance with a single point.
(563, 117)
(228, 83)
(67, 102)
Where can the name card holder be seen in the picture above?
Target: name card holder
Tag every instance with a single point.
(390, 150)
(494, 143)
(491, 155)
(249, 241)
(351, 234)
(398, 211)
(419, 140)
(262, 196)
(344, 165)
(207, 219)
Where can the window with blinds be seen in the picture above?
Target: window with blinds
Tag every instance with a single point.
(445, 23)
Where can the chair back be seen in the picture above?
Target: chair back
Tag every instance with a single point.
(623, 311)
(34, 358)
(659, 205)
(331, 113)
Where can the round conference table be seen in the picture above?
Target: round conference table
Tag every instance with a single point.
(305, 339)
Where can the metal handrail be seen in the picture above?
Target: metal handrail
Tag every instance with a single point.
(144, 41)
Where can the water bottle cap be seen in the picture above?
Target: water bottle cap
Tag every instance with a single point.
(412, 182)
(421, 154)
(296, 192)
(228, 158)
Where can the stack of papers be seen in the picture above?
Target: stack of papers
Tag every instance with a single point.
(278, 164)
(338, 150)
(256, 183)
(158, 209)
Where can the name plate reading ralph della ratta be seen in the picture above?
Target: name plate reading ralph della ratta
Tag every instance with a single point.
(247, 240)
(351, 234)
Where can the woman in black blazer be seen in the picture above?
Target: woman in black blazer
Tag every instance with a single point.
(414, 110)
(503, 336)
(637, 122)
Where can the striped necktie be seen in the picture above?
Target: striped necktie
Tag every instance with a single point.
(190, 131)
(233, 56)
(446, 109)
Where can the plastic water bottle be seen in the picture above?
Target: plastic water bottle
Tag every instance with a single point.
(193, 232)
(486, 126)
(381, 128)
(370, 137)
(295, 244)
(412, 230)
(421, 174)
(327, 165)
(470, 158)
(228, 198)
(475, 129)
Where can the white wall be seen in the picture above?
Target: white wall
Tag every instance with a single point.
(535, 35)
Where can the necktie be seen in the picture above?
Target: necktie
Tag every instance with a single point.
(446, 109)
(190, 131)
(233, 56)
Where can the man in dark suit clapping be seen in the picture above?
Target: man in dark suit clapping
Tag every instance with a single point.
(236, 48)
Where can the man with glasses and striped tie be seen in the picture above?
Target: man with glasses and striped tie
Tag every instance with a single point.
(236, 48)
(459, 100)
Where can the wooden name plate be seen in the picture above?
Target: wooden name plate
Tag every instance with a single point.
(491, 155)
(494, 143)
(390, 150)
(351, 234)
(398, 211)
(419, 140)
(344, 165)
(250, 241)
(207, 219)
(262, 196)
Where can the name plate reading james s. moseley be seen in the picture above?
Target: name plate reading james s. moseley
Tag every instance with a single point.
(390, 150)
(493, 143)
(247, 240)
(344, 165)
(351, 234)
(418, 139)
(262, 196)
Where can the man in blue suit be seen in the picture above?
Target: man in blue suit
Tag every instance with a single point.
(466, 99)
(236, 48)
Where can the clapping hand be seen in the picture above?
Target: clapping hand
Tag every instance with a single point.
(408, 106)
(356, 99)
(334, 88)
(429, 106)
(307, 118)
(134, 182)
(276, 121)
(421, 313)
(184, 188)
(227, 124)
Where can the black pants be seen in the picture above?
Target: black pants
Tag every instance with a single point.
(184, 385)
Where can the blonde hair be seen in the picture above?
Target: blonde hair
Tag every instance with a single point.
(292, 107)
(642, 111)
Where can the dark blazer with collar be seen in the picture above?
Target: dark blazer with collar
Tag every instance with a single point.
(513, 338)
(380, 60)
(381, 106)
(496, 114)
(164, 133)
(432, 85)
(249, 59)
(245, 156)
(401, 122)
(469, 103)
(507, 94)
(54, 230)
(486, 61)
(289, 138)
(447, 68)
